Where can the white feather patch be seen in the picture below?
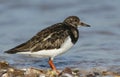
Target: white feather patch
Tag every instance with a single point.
(52, 52)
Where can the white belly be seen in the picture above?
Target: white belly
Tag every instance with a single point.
(53, 52)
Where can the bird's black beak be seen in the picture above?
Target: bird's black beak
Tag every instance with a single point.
(84, 24)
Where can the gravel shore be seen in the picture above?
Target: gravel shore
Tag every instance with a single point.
(9, 71)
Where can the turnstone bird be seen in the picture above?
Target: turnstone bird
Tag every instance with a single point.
(52, 41)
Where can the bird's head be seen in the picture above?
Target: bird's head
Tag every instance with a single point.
(75, 21)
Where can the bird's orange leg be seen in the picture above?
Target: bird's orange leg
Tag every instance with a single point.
(52, 65)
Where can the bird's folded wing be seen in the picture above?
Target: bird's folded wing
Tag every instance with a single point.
(49, 38)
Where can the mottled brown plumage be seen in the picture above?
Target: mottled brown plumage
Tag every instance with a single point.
(43, 40)
(51, 37)
(53, 40)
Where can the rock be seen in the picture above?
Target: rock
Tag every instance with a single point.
(4, 65)
(33, 72)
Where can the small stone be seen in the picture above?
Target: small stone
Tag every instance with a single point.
(4, 65)
(5, 75)
(15, 72)
(67, 70)
(96, 73)
(90, 75)
(42, 75)
(51, 73)
(32, 72)
(66, 75)
(116, 76)
(76, 72)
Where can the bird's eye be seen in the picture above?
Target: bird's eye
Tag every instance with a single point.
(76, 20)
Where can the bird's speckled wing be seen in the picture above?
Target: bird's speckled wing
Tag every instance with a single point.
(49, 38)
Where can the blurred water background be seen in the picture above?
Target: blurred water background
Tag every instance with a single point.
(98, 46)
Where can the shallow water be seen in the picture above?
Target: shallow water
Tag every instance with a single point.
(98, 46)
